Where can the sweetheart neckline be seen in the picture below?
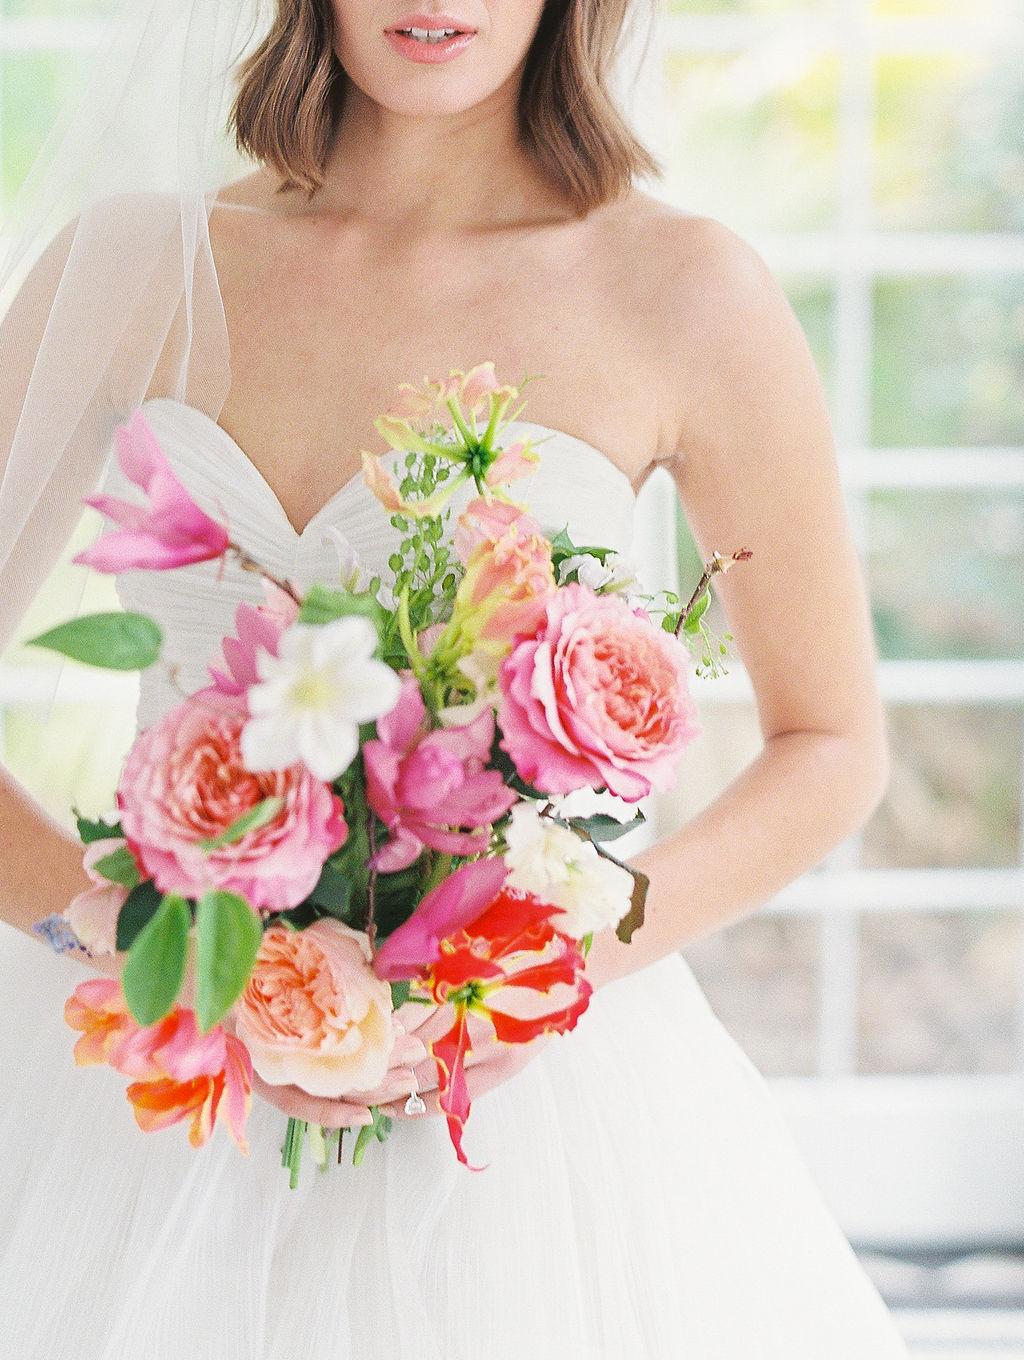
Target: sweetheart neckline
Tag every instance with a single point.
(356, 480)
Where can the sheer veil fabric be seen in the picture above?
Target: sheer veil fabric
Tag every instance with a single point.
(111, 230)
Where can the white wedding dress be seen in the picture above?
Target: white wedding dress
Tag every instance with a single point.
(642, 1198)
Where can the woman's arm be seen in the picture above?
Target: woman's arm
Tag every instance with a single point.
(40, 864)
(757, 469)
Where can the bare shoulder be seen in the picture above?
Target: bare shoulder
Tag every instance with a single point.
(722, 325)
(694, 269)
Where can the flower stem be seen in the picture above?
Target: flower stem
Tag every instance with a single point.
(468, 435)
(248, 563)
(718, 564)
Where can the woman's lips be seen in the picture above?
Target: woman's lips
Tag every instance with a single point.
(429, 38)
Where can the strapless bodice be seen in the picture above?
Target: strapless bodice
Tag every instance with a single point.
(573, 486)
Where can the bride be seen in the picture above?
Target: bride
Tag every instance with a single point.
(434, 188)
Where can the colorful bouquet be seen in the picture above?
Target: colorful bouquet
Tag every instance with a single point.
(363, 811)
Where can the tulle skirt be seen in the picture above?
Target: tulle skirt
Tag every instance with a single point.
(642, 1200)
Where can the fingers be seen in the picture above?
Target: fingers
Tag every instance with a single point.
(299, 1104)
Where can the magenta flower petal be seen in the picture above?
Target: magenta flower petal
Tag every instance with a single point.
(460, 899)
(170, 532)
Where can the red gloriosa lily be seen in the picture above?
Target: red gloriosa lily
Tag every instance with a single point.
(509, 948)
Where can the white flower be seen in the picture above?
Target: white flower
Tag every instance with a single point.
(557, 866)
(613, 574)
(312, 697)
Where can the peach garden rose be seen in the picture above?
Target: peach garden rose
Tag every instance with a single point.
(314, 1014)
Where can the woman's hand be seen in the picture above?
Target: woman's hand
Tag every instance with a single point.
(416, 1025)
(488, 1063)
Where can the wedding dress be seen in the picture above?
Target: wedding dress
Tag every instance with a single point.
(641, 1198)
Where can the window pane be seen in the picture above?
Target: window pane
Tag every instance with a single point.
(938, 992)
(753, 135)
(949, 352)
(950, 143)
(946, 570)
(951, 9)
(70, 755)
(761, 978)
(33, 86)
(57, 9)
(813, 299)
(954, 796)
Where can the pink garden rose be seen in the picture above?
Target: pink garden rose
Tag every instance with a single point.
(422, 784)
(598, 696)
(315, 1015)
(184, 784)
(93, 914)
(171, 532)
(180, 1073)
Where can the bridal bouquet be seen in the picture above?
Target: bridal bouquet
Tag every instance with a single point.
(363, 811)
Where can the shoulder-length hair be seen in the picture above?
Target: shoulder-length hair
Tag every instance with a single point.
(292, 88)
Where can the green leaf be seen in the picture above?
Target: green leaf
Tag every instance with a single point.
(117, 642)
(155, 968)
(562, 543)
(119, 867)
(333, 892)
(699, 608)
(601, 827)
(322, 606)
(400, 992)
(228, 938)
(634, 918)
(137, 910)
(252, 820)
(99, 830)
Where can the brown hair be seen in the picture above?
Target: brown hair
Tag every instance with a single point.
(291, 90)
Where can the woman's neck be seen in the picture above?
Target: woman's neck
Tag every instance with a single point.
(463, 171)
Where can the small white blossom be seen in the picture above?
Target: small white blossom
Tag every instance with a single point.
(312, 697)
(559, 867)
(615, 573)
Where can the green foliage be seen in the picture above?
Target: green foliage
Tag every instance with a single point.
(228, 938)
(424, 564)
(155, 968)
(600, 827)
(400, 993)
(89, 830)
(137, 910)
(322, 605)
(115, 641)
(264, 811)
(119, 867)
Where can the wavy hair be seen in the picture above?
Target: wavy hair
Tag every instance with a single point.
(292, 88)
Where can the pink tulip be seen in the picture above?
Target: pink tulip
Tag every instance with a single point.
(422, 784)
(257, 626)
(461, 898)
(171, 532)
